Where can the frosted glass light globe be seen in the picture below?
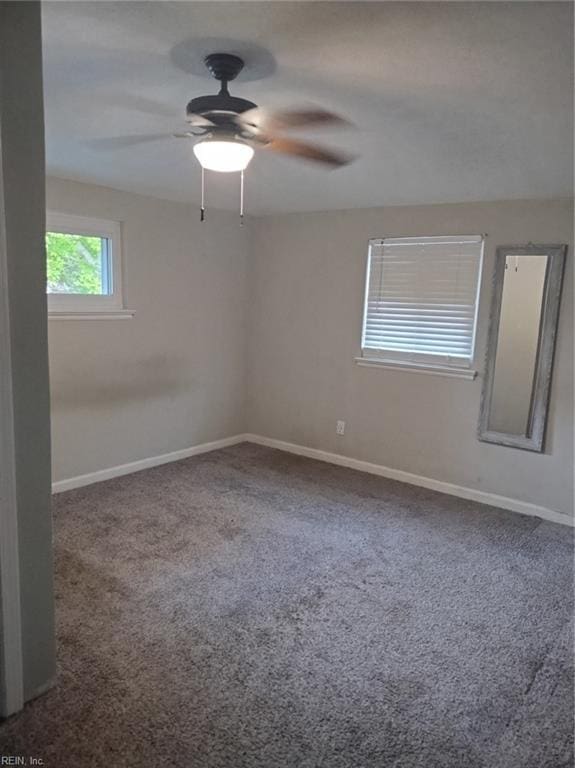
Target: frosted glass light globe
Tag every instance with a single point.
(223, 156)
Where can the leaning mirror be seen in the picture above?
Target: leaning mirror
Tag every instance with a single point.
(522, 329)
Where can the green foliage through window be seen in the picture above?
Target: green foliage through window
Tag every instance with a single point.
(76, 263)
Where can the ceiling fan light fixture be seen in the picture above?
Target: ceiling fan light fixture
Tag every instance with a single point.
(223, 156)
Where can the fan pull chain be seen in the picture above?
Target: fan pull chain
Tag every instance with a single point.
(203, 203)
(203, 208)
(241, 198)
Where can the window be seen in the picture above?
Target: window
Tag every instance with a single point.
(84, 264)
(421, 300)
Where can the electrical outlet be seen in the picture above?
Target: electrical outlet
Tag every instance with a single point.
(340, 428)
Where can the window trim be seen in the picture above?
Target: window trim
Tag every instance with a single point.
(450, 371)
(75, 304)
(419, 362)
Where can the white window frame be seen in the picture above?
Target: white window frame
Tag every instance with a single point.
(457, 366)
(74, 304)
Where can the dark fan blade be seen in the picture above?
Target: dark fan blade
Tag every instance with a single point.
(308, 152)
(123, 142)
(280, 120)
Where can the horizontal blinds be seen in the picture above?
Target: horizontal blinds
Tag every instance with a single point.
(422, 295)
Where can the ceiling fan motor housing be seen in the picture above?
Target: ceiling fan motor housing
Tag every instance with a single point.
(209, 106)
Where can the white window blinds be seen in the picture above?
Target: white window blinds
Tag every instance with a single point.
(421, 299)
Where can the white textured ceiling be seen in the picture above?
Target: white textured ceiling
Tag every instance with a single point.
(452, 101)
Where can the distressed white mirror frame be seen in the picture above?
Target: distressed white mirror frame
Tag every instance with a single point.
(533, 440)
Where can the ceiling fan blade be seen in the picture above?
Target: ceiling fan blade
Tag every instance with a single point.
(189, 134)
(317, 154)
(198, 121)
(138, 103)
(123, 142)
(284, 119)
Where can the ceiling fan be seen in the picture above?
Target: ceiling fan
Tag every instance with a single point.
(232, 126)
(228, 129)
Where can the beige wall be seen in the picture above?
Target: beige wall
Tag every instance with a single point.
(307, 279)
(174, 375)
(22, 164)
(256, 329)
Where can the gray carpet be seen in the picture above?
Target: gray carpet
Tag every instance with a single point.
(248, 608)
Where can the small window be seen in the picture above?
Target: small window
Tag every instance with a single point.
(83, 264)
(421, 300)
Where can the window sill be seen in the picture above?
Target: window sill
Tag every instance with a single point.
(117, 314)
(433, 370)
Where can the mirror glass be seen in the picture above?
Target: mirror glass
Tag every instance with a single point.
(517, 343)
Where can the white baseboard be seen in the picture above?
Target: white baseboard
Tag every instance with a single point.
(137, 466)
(483, 497)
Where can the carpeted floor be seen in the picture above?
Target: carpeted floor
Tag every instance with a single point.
(252, 609)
